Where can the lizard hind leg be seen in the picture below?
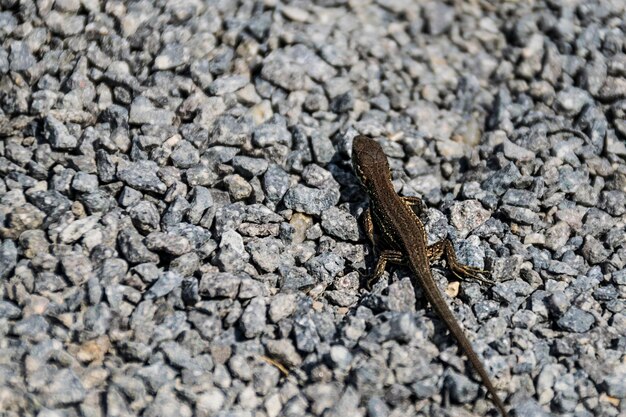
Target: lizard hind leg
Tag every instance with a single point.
(444, 249)
(385, 256)
(416, 204)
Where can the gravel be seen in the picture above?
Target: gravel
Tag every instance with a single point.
(179, 219)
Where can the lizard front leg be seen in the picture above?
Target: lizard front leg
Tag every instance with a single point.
(385, 255)
(368, 225)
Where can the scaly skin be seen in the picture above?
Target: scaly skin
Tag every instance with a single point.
(404, 237)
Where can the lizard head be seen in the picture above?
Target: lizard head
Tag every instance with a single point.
(368, 159)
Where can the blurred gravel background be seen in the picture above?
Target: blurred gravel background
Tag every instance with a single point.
(178, 213)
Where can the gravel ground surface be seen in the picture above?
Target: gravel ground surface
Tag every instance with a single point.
(179, 218)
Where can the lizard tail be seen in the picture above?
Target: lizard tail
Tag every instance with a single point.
(442, 309)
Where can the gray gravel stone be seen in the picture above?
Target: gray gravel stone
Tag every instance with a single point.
(500, 181)
(4, 61)
(32, 328)
(613, 382)
(576, 320)
(184, 155)
(168, 243)
(231, 255)
(467, 216)
(571, 100)
(21, 58)
(238, 187)
(65, 24)
(227, 84)
(280, 70)
(267, 253)
(275, 183)
(220, 285)
(142, 175)
(83, 182)
(437, 17)
(177, 200)
(613, 202)
(228, 130)
(171, 56)
(142, 111)
(253, 318)
(271, 132)
(516, 152)
(130, 244)
(164, 285)
(9, 310)
(557, 236)
(210, 402)
(282, 306)
(64, 389)
(462, 389)
(284, 351)
(521, 215)
(144, 214)
(58, 135)
(619, 277)
(340, 224)
(310, 200)
(77, 268)
(593, 250)
(8, 258)
(249, 167)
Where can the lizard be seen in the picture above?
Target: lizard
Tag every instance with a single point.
(403, 237)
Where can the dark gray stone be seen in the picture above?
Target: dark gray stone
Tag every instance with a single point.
(249, 167)
(58, 135)
(21, 57)
(340, 223)
(253, 318)
(438, 17)
(130, 244)
(142, 175)
(272, 132)
(184, 155)
(166, 283)
(275, 183)
(171, 56)
(142, 111)
(310, 200)
(9, 310)
(144, 214)
(8, 258)
(169, 243)
(500, 181)
(97, 320)
(230, 131)
(64, 389)
(576, 320)
(280, 70)
(83, 182)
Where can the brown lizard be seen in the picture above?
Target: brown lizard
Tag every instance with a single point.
(403, 238)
